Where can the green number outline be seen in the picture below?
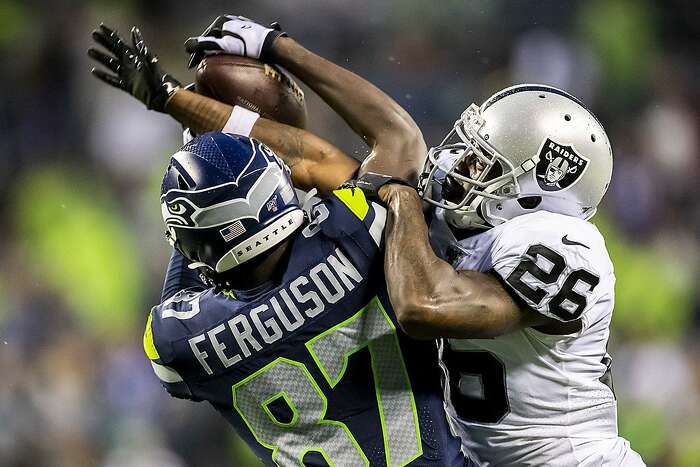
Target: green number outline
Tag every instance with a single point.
(322, 421)
(346, 358)
(266, 409)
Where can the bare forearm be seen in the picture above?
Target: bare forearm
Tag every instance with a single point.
(315, 163)
(429, 297)
(396, 141)
(407, 249)
(197, 112)
(368, 110)
(410, 266)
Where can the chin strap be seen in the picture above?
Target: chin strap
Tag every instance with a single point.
(309, 200)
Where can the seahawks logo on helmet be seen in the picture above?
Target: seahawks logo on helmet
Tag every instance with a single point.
(559, 166)
(179, 212)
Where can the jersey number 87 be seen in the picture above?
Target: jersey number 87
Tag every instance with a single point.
(309, 430)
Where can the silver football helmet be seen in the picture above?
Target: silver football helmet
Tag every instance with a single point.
(527, 148)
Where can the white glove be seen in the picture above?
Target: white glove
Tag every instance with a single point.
(234, 35)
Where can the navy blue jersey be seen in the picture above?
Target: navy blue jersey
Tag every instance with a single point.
(314, 371)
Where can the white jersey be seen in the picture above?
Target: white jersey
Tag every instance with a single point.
(531, 398)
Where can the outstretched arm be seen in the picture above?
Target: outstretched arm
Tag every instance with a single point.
(429, 297)
(134, 69)
(315, 162)
(397, 144)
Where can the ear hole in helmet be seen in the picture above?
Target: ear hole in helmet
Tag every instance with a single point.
(530, 202)
(181, 183)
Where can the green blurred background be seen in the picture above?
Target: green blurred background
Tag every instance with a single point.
(83, 257)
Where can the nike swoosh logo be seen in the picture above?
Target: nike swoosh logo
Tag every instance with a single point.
(566, 241)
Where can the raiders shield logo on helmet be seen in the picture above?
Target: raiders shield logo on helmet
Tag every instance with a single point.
(559, 166)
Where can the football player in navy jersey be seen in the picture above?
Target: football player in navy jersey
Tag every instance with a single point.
(288, 331)
(290, 334)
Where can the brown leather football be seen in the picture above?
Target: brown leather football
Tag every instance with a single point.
(257, 86)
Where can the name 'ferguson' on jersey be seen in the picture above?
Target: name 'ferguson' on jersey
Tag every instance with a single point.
(313, 371)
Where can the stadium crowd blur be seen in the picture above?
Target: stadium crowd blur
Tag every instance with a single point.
(83, 258)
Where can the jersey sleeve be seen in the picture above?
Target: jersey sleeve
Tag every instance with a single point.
(352, 215)
(179, 276)
(158, 338)
(552, 268)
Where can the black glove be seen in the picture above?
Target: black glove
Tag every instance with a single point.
(236, 35)
(135, 69)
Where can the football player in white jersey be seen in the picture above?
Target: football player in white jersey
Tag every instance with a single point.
(524, 293)
(519, 283)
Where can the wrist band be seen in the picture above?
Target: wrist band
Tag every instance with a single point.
(371, 182)
(240, 122)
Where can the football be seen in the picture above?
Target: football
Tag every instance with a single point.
(254, 85)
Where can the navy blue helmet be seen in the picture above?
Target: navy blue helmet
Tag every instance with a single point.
(226, 199)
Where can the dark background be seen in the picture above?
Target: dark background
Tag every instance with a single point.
(82, 254)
